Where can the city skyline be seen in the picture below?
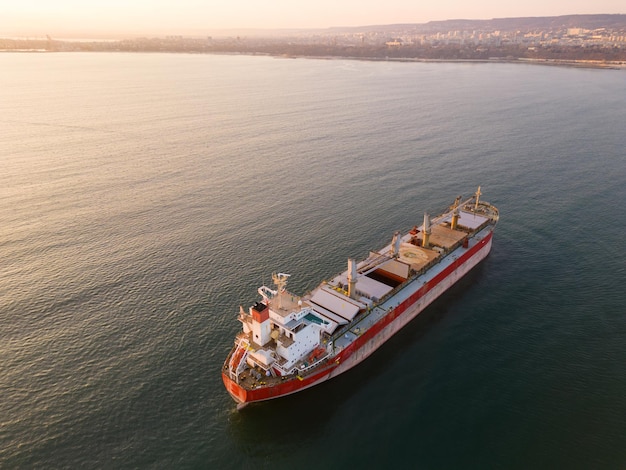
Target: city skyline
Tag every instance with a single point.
(118, 17)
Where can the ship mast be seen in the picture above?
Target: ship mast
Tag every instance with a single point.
(352, 275)
(478, 193)
(455, 213)
(395, 244)
(280, 280)
(426, 231)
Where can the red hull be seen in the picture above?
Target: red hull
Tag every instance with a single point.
(295, 384)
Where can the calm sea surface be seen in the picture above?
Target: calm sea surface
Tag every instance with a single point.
(144, 197)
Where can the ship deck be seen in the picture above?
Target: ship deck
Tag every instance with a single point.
(284, 303)
(445, 237)
(417, 257)
(344, 337)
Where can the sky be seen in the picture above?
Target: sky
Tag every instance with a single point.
(187, 17)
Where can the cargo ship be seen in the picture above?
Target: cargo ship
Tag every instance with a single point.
(289, 343)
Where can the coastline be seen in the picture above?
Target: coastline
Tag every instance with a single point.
(591, 64)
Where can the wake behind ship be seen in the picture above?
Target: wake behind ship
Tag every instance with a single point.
(290, 343)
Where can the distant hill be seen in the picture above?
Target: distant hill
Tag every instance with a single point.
(528, 23)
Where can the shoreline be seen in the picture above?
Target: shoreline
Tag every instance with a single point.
(591, 64)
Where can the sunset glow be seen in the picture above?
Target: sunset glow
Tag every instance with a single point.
(119, 17)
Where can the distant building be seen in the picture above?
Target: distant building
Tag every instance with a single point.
(394, 43)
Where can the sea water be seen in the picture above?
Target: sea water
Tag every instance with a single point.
(144, 197)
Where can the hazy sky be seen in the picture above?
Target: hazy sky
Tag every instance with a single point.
(54, 17)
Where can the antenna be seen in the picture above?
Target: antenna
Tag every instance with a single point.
(280, 280)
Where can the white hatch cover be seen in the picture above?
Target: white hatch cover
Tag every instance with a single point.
(330, 316)
(370, 287)
(471, 221)
(335, 304)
